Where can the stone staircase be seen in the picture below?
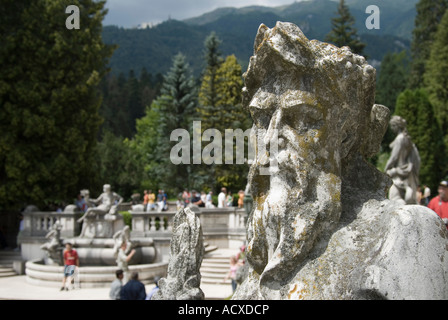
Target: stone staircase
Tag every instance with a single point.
(215, 266)
(7, 258)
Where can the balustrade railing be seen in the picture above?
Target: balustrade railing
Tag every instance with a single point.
(38, 223)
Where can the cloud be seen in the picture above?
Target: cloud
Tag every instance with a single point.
(130, 13)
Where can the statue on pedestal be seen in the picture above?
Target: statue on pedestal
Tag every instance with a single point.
(403, 165)
(106, 207)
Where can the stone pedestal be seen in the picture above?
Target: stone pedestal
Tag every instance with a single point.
(103, 227)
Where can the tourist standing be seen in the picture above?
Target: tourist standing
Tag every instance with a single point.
(209, 200)
(145, 200)
(222, 198)
(439, 204)
(151, 201)
(155, 289)
(229, 199)
(71, 262)
(186, 197)
(234, 265)
(240, 199)
(134, 289)
(123, 259)
(117, 284)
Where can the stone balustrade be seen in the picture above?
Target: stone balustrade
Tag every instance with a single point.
(155, 223)
(223, 227)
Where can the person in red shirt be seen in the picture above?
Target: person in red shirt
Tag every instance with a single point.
(71, 261)
(439, 204)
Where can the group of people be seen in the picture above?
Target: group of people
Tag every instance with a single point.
(121, 288)
(153, 202)
(225, 199)
(125, 287)
(201, 199)
(194, 198)
(133, 289)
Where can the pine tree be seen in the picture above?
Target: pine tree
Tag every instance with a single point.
(429, 15)
(176, 107)
(208, 94)
(343, 32)
(415, 108)
(392, 79)
(436, 76)
(134, 103)
(233, 116)
(49, 99)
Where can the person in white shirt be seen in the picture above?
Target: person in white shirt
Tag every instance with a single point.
(222, 198)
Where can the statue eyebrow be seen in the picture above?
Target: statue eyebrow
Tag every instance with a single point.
(293, 98)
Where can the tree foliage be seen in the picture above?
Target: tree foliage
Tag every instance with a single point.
(429, 15)
(343, 32)
(173, 109)
(436, 76)
(48, 98)
(125, 99)
(118, 165)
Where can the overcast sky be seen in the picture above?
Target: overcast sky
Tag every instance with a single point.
(131, 13)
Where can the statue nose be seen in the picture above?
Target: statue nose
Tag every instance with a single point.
(274, 125)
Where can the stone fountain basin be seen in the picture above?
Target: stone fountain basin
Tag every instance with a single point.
(100, 252)
(37, 273)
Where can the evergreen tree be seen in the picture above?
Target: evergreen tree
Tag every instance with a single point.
(134, 103)
(114, 109)
(176, 107)
(49, 99)
(392, 79)
(429, 15)
(343, 32)
(436, 76)
(415, 108)
(208, 94)
(233, 116)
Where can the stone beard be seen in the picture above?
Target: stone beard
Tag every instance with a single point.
(311, 98)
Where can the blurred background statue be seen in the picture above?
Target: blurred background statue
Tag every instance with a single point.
(403, 165)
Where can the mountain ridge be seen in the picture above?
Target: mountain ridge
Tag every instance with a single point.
(153, 48)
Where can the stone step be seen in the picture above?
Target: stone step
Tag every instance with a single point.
(217, 260)
(216, 281)
(7, 272)
(213, 275)
(10, 254)
(215, 268)
(209, 249)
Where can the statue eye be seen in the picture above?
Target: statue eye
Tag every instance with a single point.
(302, 117)
(261, 117)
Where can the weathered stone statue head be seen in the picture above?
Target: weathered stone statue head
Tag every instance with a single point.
(397, 124)
(316, 102)
(107, 188)
(321, 226)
